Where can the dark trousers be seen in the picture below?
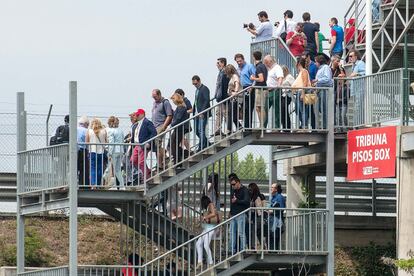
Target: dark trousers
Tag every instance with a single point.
(175, 140)
(249, 105)
(285, 102)
(83, 167)
(233, 115)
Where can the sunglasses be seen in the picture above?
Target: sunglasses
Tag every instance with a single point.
(233, 184)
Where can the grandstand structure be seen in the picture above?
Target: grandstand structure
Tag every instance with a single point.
(159, 212)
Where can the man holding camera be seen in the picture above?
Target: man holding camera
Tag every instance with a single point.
(264, 30)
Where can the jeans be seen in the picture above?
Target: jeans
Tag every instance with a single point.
(96, 168)
(204, 241)
(116, 163)
(322, 107)
(303, 111)
(274, 103)
(237, 230)
(201, 132)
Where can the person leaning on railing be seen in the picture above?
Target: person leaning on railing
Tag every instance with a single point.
(302, 80)
(323, 79)
(340, 90)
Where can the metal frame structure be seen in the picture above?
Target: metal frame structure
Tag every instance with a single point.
(395, 22)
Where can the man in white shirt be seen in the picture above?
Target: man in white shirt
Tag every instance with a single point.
(264, 30)
(274, 79)
(283, 28)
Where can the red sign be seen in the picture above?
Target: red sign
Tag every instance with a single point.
(371, 153)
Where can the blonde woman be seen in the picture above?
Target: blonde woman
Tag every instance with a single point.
(233, 89)
(302, 80)
(180, 115)
(97, 136)
(115, 153)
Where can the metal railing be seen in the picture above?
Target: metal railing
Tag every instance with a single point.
(369, 100)
(255, 230)
(278, 49)
(265, 109)
(356, 30)
(56, 271)
(43, 169)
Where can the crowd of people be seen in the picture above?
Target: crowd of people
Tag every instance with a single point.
(270, 102)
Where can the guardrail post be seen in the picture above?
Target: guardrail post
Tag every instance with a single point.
(330, 158)
(73, 181)
(374, 198)
(21, 146)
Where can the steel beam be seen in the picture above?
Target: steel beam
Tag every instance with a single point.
(21, 146)
(297, 152)
(201, 165)
(330, 185)
(73, 181)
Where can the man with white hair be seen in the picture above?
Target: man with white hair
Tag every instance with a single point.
(83, 163)
(274, 79)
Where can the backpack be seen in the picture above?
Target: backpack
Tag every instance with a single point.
(61, 136)
(163, 106)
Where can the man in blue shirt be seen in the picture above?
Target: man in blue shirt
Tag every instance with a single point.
(245, 70)
(358, 66)
(337, 38)
(264, 30)
(276, 200)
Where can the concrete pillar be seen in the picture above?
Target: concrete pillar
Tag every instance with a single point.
(405, 195)
(294, 195)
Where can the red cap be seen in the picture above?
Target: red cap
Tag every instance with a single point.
(140, 111)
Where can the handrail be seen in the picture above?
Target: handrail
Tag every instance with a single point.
(317, 210)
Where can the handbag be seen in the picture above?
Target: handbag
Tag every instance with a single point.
(310, 99)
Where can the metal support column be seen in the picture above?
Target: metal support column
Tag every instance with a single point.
(73, 181)
(21, 146)
(272, 168)
(368, 30)
(330, 174)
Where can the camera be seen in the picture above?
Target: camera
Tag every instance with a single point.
(277, 23)
(250, 25)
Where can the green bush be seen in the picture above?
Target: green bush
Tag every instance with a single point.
(366, 261)
(34, 252)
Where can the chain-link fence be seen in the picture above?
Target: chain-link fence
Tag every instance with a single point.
(251, 162)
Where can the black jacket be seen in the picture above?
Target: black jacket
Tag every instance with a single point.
(203, 100)
(180, 115)
(242, 203)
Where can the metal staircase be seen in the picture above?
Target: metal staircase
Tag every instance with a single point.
(391, 33)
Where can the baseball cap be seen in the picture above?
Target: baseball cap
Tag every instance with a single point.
(139, 111)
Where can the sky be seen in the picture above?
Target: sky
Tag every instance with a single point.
(118, 51)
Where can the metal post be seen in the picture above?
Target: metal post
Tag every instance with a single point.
(272, 168)
(21, 146)
(47, 124)
(330, 158)
(368, 30)
(73, 183)
(374, 198)
(406, 87)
